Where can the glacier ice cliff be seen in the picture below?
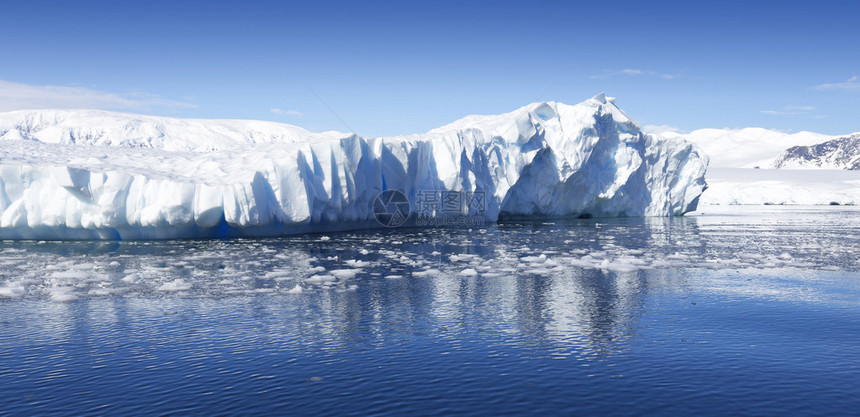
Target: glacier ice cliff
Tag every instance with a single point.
(102, 175)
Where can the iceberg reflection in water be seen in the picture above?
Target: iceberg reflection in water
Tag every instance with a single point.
(737, 312)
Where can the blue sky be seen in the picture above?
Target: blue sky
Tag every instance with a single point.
(405, 67)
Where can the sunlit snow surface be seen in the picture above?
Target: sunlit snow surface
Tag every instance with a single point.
(781, 186)
(111, 176)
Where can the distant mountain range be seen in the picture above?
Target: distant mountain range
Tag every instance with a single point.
(766, 148)
(745, 148)
(802, 168)
(840, 153)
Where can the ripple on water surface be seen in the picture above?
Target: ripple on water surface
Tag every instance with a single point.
(745, 312)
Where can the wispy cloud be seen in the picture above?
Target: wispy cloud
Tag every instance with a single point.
(631, 72)
(282, 112)
(789, 111)
(851, 84)
(20, 96)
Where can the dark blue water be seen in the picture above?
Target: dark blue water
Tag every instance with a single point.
(747, 313)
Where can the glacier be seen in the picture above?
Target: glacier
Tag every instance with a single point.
(86, 174)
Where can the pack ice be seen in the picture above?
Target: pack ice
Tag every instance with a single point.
(102, 175)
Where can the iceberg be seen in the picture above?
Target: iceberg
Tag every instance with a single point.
(70, 174)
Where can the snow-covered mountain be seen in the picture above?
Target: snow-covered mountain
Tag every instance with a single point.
(841, 153)
(745, 186)
(93, 174)
(735, 152)
(745, 148)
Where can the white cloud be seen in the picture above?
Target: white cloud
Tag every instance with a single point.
(789, 111)
(631, 72)
(20, 96)
(276, 110)
(800, 108)
(851, 84)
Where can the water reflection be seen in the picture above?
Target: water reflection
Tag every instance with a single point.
(572, 287)
(711, 314)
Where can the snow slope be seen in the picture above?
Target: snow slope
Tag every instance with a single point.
(841, 153)
(730, 186)
(101, 175)
(735, 152)
(745, 148)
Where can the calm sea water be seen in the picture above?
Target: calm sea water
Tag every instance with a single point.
(741, 311)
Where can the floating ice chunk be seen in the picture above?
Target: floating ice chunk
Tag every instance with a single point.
(12, 290)
(175, 285)
(101, 291)
(156, 270)
(618, 266)
(631, 261)
(295, 290)
(425, 273)
(286, 274)
(461, 257)
(586, 262)
(71, 275)
(357, 263)
(393, 276)
(62, 294)
(534, 259)
(469, 272)
(320, 279)
(345, 273)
